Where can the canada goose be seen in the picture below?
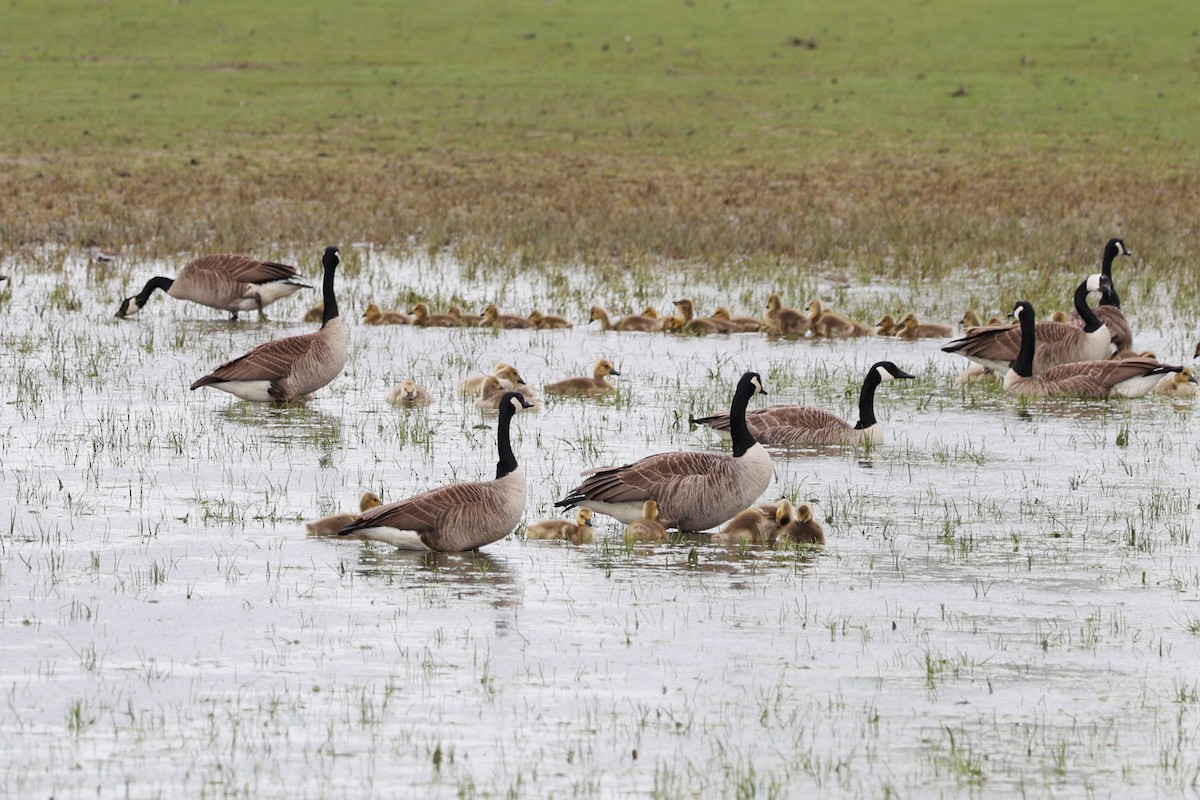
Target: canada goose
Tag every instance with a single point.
(292, 368)
(995, 347)
(595, 385)
(805, 425)
(423, 319)
(801, 528)
(913, 328)
(548, 322)
(494, 319)
(786, 322)
(375, 316)
(1182, 385)
(227, 282)
(503, 371)
(705, 324)
(578, 532)
(832, 326)
(464, 319)
(886, 326)
(743, 324)
(329, 526)
(460, 516)
(314, 314)
(694, 490)
(629, 322)
(409, 394)
(1131, 377)
(646, 529)
(1109, 309)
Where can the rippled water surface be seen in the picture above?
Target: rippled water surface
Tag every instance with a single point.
(1007, 604)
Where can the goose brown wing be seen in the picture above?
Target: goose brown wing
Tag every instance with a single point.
(430, 512)
(1091, 377)
(1003, 342)
(244, 268)
(270, 361)
(649, 478)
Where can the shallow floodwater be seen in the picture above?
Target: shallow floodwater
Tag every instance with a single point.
(1007, 604)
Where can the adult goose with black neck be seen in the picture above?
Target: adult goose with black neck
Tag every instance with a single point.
(1130, 377)
(1109, 309)
(1058, 342)
(290, 369)
(806, 425)
(458, 516)
(694, 491)
(228, 282)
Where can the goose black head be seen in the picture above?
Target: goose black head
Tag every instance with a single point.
(1116, 247)
(888, 371)
(332, 257)
(516, 400)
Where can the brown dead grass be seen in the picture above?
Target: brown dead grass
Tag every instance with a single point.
(882, 215)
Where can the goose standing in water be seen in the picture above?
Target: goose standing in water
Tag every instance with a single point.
(1130, 377)
(289, 369)
(459, 516)
(694, 490)
(329, 526)
(806, 425)
(227, 282)
(995, 347)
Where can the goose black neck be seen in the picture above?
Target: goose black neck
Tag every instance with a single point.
(866, 400)
(507, 461)
(1091, 323)
(331, 309)
(1111, 299)
(743, 439)
(154, 283)
(1023, 366)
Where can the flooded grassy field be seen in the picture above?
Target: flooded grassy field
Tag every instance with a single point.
(1007, 604)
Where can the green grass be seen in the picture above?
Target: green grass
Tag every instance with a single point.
(543, 132)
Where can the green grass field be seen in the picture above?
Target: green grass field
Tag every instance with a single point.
(860, 133)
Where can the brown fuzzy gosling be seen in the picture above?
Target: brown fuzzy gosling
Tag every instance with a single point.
(409, 394)
(801, 528)
(833, 326)
(629, 322)
(423, 319)
(786, 322)
(465, 319)
(494, 319)
(503, 371)
(913, 328)
(547, 322)
(329, 526)
(752, 526)
(315, 313)
(707, 325)
(1182, 385)
(743, 324)
(578, 532)
(646, 529)
(886, 325)
(594, 385)
(375, 316)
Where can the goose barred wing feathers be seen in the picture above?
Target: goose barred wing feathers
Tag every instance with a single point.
(244, 268)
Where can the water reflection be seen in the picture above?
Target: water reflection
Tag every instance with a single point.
(474, 573)
(288, 425)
